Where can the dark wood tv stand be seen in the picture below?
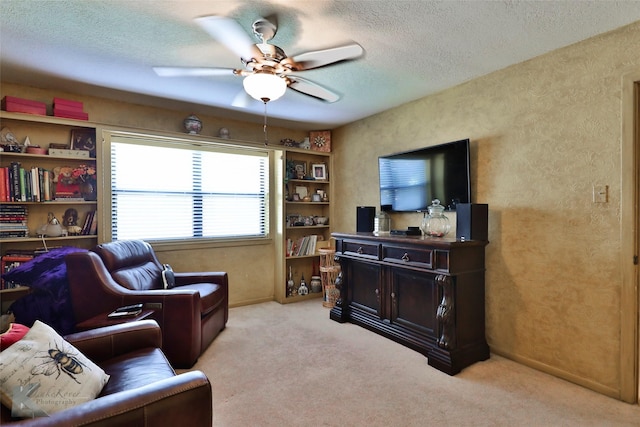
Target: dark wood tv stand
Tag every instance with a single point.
(424, 293)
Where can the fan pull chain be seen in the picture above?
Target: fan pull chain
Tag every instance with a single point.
(266, 139)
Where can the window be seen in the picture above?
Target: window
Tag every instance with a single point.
(166, 189)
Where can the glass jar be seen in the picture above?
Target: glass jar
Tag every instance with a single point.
(381, 223)
(435, 223)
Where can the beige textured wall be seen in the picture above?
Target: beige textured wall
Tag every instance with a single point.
(543, 132)
(247, 265)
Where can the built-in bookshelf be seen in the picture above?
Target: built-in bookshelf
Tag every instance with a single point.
(306, 198)
(53, 182)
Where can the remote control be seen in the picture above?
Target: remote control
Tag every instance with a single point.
(128, 308)
(117, 314)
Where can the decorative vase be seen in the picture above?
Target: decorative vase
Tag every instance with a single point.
(192, 124)
(223, 133)
(88, 189)
(316, 284)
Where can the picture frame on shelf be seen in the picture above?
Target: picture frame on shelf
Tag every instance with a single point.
(302, 191)
(300, 168)
(319, 171)
(84, 139)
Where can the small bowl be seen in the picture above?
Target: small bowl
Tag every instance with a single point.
(321, 220)
(36, 150)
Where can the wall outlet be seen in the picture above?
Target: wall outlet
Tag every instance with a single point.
(600, 193)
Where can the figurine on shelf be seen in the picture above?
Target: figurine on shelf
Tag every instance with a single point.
(290, 283)
(70, 220)
(303, 290)
(9, 142)
(305, 144)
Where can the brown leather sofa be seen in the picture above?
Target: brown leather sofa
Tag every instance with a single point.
(143, 389)
(126, 272)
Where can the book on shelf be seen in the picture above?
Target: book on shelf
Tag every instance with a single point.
(93, 227)
(9, 262)
(303, 246)
(18, 184)
(20, 252)
(90, 225)
(4, 195)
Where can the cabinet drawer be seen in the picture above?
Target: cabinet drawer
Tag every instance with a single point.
(365, 250)
(417, 257)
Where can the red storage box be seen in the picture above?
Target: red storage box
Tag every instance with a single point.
(67, 104)
(70, 114)
(21, 105)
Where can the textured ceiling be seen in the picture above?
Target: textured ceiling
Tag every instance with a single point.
(413, 48)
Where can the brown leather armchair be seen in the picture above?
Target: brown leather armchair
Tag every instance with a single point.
(126, 272)
(143, 388)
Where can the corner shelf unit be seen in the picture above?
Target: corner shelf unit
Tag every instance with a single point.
(42, 131)
(297, 214)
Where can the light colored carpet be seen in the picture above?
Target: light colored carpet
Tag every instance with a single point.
(290, 365)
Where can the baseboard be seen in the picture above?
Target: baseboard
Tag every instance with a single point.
(250, 302)
(551, 370)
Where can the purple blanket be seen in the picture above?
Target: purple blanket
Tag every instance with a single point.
(49, 300)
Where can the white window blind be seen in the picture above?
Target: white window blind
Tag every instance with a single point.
(164, 190)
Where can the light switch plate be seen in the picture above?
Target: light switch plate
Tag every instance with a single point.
(600, 193)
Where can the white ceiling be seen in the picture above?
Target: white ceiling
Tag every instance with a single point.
(413, 48)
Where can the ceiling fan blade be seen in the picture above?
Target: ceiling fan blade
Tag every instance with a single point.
(320, 58)
(193, 71)
(310, 88)
(231, 34)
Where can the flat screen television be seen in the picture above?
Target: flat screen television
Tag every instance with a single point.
(411, 180)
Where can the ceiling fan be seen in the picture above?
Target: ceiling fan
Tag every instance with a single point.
(267, 71)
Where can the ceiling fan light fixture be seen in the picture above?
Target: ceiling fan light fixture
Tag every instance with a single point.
(264, 87)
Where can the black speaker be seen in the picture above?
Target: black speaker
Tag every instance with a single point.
(472, 221)
(366, 215)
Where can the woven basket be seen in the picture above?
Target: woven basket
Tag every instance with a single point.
(326, 257)
(330, 294)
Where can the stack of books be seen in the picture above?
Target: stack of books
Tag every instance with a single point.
(13, 221)
(69, 109)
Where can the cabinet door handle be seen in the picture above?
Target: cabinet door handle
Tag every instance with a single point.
(360, 251)
(377, 291)
(393, 295)
(405, 257)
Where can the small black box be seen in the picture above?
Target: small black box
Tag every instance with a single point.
(366, 215)
(472, 221)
